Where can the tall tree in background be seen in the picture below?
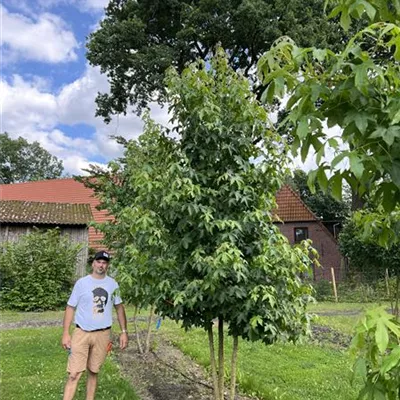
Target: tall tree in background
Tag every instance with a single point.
(21, 161)
(138, 40)
(321, 203)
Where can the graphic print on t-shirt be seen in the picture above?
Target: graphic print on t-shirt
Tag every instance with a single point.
(100, 298)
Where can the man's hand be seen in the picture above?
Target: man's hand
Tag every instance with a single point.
(66, 341)
(123, 341)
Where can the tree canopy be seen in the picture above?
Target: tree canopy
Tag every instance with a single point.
(355, 90)
(138, 41)
(21, 161)
(194, 213)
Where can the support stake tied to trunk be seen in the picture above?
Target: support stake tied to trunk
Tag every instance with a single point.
(232, 390)
(221, 357)
(213, 362)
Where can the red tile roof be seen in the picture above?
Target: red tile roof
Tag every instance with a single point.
(58, 191)
(291, 208)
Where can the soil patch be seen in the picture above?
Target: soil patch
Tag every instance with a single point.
(165, 373)
(325, 335)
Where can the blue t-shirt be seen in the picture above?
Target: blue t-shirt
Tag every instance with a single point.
(93, 300)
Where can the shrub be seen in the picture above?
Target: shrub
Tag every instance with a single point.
(323, 290)
(37, 272)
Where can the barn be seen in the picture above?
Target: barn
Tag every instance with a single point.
(18, 217)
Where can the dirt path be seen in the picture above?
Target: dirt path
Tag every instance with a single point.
(165, 374)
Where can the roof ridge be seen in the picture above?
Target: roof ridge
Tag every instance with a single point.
(40, 180)
(43, 202)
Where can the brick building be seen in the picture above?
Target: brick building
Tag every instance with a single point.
(297, 221)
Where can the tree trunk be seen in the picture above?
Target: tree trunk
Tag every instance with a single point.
(221, 357)
(396, 310)
(140, 348)
(213, 363)
(233, 368)
(356, 201)
(148, 330)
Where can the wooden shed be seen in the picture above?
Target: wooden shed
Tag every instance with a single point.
(20, 217)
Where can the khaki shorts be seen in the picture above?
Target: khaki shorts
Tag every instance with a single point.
(88, 350)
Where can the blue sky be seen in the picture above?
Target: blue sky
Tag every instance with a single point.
(48, 89)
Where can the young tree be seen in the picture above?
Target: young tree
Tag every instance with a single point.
(138, 41)
(134, 234)
(21, 161)
(200, 213)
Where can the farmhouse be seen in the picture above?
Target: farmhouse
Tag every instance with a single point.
(294, 218)
(299, 223)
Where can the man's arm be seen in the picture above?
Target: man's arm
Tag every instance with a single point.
(68, 317)
(123, 339)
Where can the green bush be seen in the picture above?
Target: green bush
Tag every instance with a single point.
(37, 272)
(323, 290)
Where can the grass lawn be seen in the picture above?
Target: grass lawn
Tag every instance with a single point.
(280, 371)
(33, 363)
(334, 314)
(33, 366)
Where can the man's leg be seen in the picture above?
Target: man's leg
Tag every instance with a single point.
(70, 386)
(91, 385)
(97, 355)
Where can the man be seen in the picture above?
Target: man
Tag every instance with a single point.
(91, 301)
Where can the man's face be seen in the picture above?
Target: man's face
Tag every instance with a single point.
(100, 267)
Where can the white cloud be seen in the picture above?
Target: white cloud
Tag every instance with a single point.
(92, 6)
(31, 111)
(44, 38)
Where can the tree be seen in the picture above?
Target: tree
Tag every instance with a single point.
(139, 40)
(200, 211)
(355, 90)
(321, 203)
(21, 161)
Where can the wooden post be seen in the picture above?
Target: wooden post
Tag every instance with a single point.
(387, 282)
(334, 284)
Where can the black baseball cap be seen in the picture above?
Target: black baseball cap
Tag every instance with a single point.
(102, 255)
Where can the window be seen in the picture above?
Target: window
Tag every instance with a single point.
(300, 234)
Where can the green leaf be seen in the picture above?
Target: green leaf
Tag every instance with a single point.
(361, 121)
(322, 179)
(333, 143)
(302, 128)
(370, 10)
(356, 165)
(381, 336)
(311, 180)
(345, 20)
(336, 186)
(390, 361)
(379, 132)
(359, 369)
